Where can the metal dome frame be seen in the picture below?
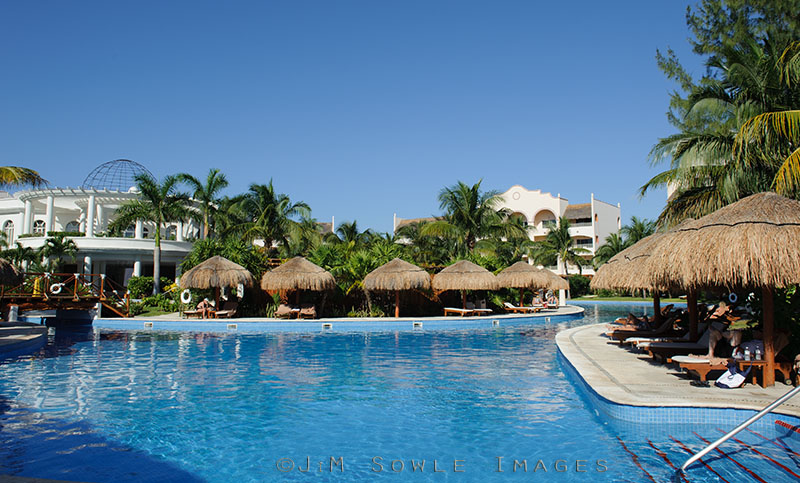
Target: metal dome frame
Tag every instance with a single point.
(118, 175)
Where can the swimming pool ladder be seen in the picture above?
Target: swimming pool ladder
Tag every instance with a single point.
(739, 428)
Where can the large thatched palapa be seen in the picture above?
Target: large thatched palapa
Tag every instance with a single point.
(216, 272)
(748, 244)
(464, 275)
(523, 275)
(397, 275)
(298, 274)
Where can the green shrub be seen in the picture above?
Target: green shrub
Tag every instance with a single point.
(140, 287)
(578, 285)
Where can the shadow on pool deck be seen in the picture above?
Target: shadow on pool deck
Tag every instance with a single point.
(36, 446)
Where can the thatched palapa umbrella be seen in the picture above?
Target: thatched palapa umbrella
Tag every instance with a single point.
(748, 244)
(523, 275)
(629, 270)
(298, 274)
(8, 274)
(397, 275)
(464, 275)
(214, 273)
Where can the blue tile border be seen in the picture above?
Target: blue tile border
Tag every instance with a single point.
(664, 416)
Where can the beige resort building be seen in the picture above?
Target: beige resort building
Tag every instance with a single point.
(590, 223)
(85, 213)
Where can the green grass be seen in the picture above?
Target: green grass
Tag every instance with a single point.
(151, 311)
(627, 299)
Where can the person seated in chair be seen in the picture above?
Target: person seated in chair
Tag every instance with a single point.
(204, 307)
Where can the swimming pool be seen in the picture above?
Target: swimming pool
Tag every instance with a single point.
(472, 404)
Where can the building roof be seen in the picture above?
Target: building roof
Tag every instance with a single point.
(575, 212)
(401, 222)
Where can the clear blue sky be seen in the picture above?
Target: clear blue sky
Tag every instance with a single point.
(361, 109)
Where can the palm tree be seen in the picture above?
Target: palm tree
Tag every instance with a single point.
(558, 247)
(14, 176)
(614, 244)
(471, 215)
(267, 215)
(206, 193)
(727, 147)
(158, 203)
(20, 255)
(57, 247)
(637, 229)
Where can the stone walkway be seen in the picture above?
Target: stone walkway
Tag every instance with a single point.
(625, 377)
(15, 337)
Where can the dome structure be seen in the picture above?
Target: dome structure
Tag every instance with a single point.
(117, 175)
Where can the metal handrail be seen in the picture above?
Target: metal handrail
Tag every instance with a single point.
(739, 428)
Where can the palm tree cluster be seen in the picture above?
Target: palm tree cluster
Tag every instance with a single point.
(627, 236)
(739, 126)
(56, 250)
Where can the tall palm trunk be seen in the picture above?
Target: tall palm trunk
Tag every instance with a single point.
(157, 261)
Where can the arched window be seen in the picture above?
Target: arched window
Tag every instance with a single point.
(145, 232)
(8, 229)
(170, 232)
(129, 232)
(38, 227)
(73, 227)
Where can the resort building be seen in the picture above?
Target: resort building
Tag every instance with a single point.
(590, 223)
(83, 214)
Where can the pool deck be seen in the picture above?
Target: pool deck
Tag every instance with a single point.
(627, 378)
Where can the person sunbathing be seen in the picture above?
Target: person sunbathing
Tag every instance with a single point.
(204, 307)
(631, 322)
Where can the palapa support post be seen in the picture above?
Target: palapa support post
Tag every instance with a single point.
(216, 299)
(768, 375)
(464, 299)
(691, 302)
(396, 304)
(657, 306)
(521, 297)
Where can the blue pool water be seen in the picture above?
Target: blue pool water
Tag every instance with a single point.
(167, 406)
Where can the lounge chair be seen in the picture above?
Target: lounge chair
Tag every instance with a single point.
(509, 307)
(665, 350)
(455, 311)
(286, 312)
(193, 313)
(666, 329)
(308, 311)
(229, 309)
(700, 365)
(478, 311)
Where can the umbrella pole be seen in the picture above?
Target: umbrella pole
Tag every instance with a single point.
(657, 306)
(463, 300)
(297, 298)
(396, 304)
(691, 301)
(521, 296)
(768, 374)
(216, 298)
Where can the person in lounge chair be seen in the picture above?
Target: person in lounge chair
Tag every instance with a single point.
(204, 307)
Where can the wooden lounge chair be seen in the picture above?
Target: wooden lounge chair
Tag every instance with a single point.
(229, 309)
(308, 311)
(700, 365)
(666, 329)
(477, 311)
(455, 311)
(193, 313)
(509, 307)
(285, 312)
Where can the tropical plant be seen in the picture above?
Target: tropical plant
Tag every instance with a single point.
(614, 243)
(57, 247)
(15, 176)
(20, 255)
(558, 248)
(158, 203)
(267, 215)
(206, 193)
(469, 215)
(637, 229)
(234, 249)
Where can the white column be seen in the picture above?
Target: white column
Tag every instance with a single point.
(139, 231)
(562, 297)
(90, 219)
(26, 217)
(100, 218)
(87, 264)
(137, 267)
(82, 222)
(49, 215)
(179, 231)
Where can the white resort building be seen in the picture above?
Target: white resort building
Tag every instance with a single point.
(590, 223)
(83, 214)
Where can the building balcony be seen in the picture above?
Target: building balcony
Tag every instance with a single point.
(127, 246)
